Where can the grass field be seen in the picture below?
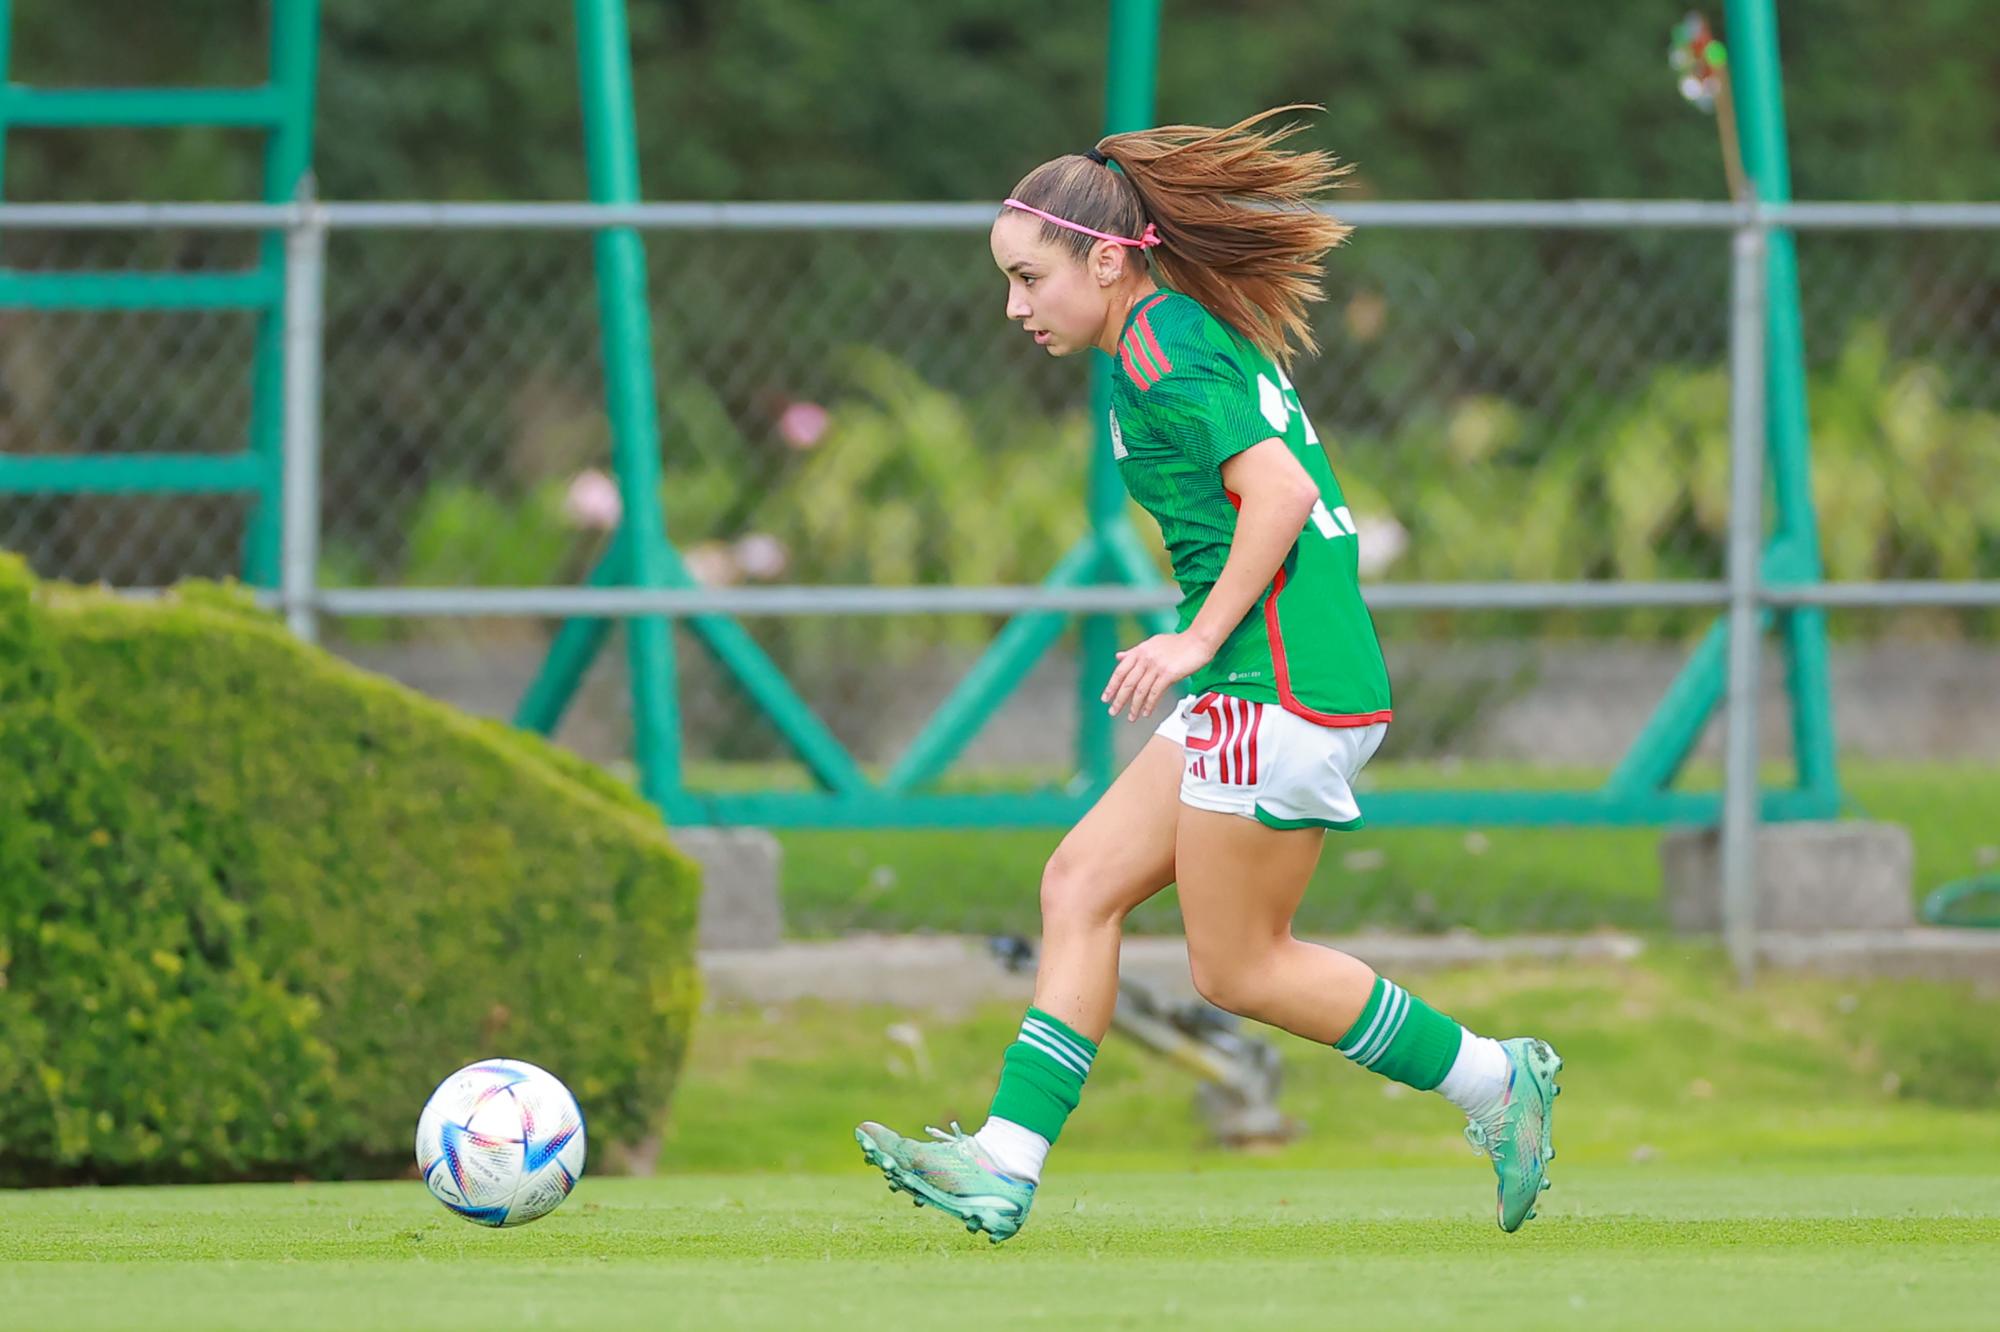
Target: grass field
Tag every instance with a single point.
(1619, 1247)
(1493, 880)
(1811, 1154)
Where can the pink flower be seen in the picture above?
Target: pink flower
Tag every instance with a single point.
(760, 556)
(593, 501)
(802, 424)
(712, 565)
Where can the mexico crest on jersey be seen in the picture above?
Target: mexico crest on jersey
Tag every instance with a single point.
(1117, 436)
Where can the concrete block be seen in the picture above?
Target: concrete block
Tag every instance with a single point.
(739, 895)
(1812, 878)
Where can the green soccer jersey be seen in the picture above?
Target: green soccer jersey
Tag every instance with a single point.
(1190, 394)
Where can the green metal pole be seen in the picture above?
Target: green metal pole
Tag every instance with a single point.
(1131, 79)
(580, 638)
(992, 678)
(287, 158)
(576, 646)
(611, 146)
(1758, 86)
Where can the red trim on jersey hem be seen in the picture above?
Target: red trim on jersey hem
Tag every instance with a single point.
(1282, 669)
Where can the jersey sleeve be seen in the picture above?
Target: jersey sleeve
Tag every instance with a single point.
(1207, 408)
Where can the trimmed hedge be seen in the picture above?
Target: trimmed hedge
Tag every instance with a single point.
(254, 903)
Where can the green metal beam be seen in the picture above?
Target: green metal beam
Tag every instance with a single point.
(996, 675)
(1128, 562)
(1758, 87)
(626, 334)
(255, 290)
(294, 61)
(1132, 58)
(576, 645)
(152, 108)
(579, 639)
(1793, 554)
(1386, 809)
(130, 473)
(759, 677)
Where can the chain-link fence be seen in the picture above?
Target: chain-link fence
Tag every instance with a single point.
(846, 405)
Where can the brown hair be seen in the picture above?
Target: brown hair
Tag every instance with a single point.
(1234, 212)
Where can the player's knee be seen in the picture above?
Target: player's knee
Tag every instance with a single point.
(1074, 896)
(1233, 980)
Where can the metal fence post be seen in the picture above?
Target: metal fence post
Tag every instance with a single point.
(1131, 75)
(304, 328)
(1741, 784)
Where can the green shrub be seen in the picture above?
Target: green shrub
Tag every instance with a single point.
(256, 903)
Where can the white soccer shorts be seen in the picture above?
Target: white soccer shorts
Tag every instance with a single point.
(1261, 762)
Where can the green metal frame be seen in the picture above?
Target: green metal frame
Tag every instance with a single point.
(283, 109)
(1110, 553)
(1792, 554)
(1638, 793)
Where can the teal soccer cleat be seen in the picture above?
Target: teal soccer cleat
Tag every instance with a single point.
(951, 1175)
(1520, 1135)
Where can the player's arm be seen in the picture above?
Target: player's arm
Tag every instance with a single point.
(1277, 496)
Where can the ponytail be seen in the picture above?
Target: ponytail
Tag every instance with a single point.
(1234, 213)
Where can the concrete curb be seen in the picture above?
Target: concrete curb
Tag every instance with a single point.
(953, 972)
(949, 973)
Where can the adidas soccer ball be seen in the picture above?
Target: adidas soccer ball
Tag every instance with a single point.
(501, 1142)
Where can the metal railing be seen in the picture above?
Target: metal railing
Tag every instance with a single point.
(1755, 586)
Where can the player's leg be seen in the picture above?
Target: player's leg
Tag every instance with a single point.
(1120, 854)
(1243, 861)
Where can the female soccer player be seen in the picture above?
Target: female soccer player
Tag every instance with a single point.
(1189, 256)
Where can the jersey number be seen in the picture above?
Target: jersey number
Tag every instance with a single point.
(1279, 402)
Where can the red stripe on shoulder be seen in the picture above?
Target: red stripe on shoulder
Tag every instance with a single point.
(1132, 368)
(1145, 327)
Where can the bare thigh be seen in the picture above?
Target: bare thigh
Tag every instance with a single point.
(1240, 886)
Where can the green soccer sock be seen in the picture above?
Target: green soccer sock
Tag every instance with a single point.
(1041, 1076)
(1401, 1037)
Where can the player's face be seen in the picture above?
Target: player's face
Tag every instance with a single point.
(1058, 301)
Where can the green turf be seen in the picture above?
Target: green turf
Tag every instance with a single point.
(1815, 1153)
(1670, 1060)
(1625, 1247)
(1495, 880)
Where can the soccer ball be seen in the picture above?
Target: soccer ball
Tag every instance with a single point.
(500, 1142)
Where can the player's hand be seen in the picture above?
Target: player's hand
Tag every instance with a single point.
(1146, 671)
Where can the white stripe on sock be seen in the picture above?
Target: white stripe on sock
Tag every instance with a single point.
(1055, 1052)
(1400, 1002)
(1043, 1029)
(1381, 1013)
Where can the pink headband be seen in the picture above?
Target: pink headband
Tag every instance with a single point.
(1146, 241)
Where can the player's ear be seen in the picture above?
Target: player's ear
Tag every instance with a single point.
(1107, 263)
